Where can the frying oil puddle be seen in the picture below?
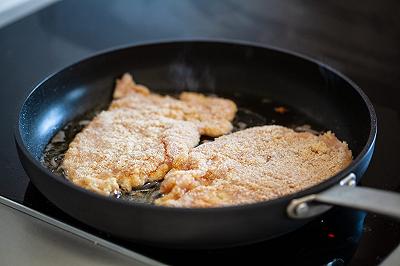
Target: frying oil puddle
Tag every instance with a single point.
(263, 113)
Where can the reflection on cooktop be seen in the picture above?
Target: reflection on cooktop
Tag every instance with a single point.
(331, 239)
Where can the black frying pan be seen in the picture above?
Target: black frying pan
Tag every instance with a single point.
(249, 74)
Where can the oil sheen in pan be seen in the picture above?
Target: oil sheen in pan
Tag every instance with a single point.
(250, 113)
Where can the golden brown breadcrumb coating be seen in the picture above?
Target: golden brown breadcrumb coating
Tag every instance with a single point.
(255, 164)
(140, 137)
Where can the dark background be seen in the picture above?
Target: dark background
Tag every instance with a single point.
(359, 38)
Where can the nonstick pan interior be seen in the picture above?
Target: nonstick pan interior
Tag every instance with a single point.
(233, 71)
(258, 79)
(251, 112)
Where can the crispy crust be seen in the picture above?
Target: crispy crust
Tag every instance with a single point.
(141, 136)
(212, 115)
(255, 164)
(122, 149)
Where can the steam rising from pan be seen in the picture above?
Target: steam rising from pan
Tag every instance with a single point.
(185, 76)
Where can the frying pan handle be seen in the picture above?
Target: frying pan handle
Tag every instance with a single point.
(346, 194)
(362, 198)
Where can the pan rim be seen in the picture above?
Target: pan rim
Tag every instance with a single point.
(367, 148)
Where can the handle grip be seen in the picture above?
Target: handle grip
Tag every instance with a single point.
(347, 195)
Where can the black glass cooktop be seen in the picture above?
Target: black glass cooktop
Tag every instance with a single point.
(360, 42)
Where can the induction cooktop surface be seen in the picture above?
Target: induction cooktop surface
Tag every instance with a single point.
(49, 39)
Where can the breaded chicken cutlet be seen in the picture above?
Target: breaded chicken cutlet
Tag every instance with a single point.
(144, 137)
(212, 115)
(123, 149)
(256, 164)
(141, 136)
